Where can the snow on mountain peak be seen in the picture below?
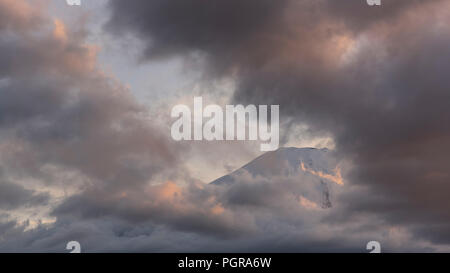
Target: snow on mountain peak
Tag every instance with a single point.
(312, 172)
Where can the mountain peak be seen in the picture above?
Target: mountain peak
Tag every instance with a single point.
(311, 169)
(284, 160)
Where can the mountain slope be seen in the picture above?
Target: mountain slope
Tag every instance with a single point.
(313, 171)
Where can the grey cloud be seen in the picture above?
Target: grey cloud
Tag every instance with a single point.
(137, 224)
(13, 196)
(386, 108)
(59, 110)
(385, 102)
(66, 112)
(221, 30)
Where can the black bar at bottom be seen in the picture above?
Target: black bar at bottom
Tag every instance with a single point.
(190, 262)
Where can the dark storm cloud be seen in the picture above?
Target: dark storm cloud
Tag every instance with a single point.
(194, 25)
(13, 196)
(242, 34)
(373, 77)
(221, 29)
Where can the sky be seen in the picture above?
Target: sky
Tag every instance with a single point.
(85, 146)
